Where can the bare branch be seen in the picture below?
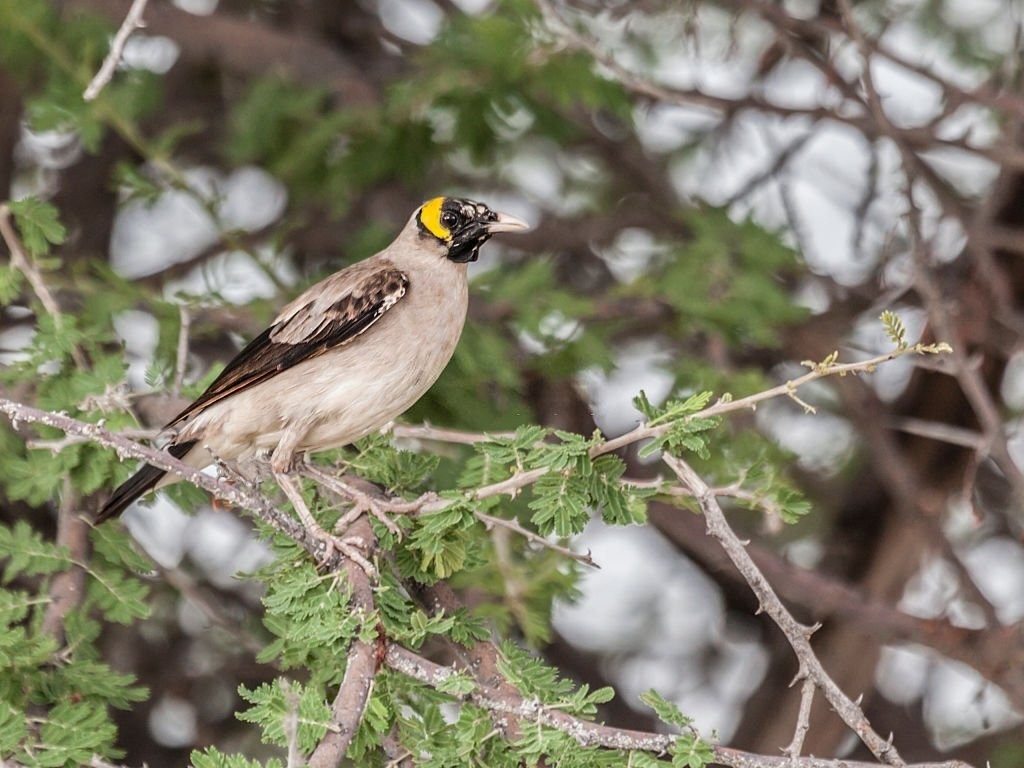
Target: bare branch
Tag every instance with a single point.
(534, 538)
(796, 633)
(132, 22)
(67, 590)
(181, 358)
(851, 112)
(441, 435)
(803, 720)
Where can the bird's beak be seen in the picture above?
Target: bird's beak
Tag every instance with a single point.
(505, 223)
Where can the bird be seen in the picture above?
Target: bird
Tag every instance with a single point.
(343, 359)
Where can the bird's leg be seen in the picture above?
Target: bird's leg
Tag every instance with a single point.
(280, 465)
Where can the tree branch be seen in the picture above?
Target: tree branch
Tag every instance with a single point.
(132, 22)
(510, 703)
(361, 666)
(796, 633)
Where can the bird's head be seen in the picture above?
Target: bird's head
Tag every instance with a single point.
(462, 226)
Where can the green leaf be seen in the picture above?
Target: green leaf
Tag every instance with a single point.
(211, 757)
(117, 547)
(671, 410)
(96, 681)
(11, 281)
(13, 728)
(275, 704)
(15, 605)
(120, 597)
(559, 503)
(310, 616)
(135, 184)
(638, 759)
(894, 328)
(458, 684)
(532, 676)
(39, 224)
(667, 711)
(28, 554)
(378, 461)
(690, 751)
(442, 540)
(620, 504)
(73, 733)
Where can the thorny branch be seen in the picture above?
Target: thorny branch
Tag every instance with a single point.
(798, 635)
(803, 720)
(505, 701)
(237, 494)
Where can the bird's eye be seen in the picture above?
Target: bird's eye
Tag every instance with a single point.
(450, 219)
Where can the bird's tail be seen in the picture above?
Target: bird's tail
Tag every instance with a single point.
(139, 483)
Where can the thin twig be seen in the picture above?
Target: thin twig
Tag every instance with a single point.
(787, 389)
(429, 502)
(132, 22)
(441, 435)
(57, 445)
(181, 359)
(534, 538)
(944, 433)
(21, 262)
(803, 719)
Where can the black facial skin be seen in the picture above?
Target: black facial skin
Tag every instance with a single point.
(467, 221)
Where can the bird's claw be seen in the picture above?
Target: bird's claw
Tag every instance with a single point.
(350, 547)
(362, 503)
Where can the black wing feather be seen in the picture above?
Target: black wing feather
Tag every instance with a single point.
(341, 322)
(138, 484)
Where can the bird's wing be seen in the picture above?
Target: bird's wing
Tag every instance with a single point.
(328, 315)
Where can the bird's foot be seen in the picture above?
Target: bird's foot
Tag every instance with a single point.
(362, 502)
(353, 548)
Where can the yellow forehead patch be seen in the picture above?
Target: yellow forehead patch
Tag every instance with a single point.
(430, 217)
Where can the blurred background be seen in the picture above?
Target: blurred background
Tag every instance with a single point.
(719, 191)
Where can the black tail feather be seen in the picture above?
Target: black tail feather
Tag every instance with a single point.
(138, 484)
